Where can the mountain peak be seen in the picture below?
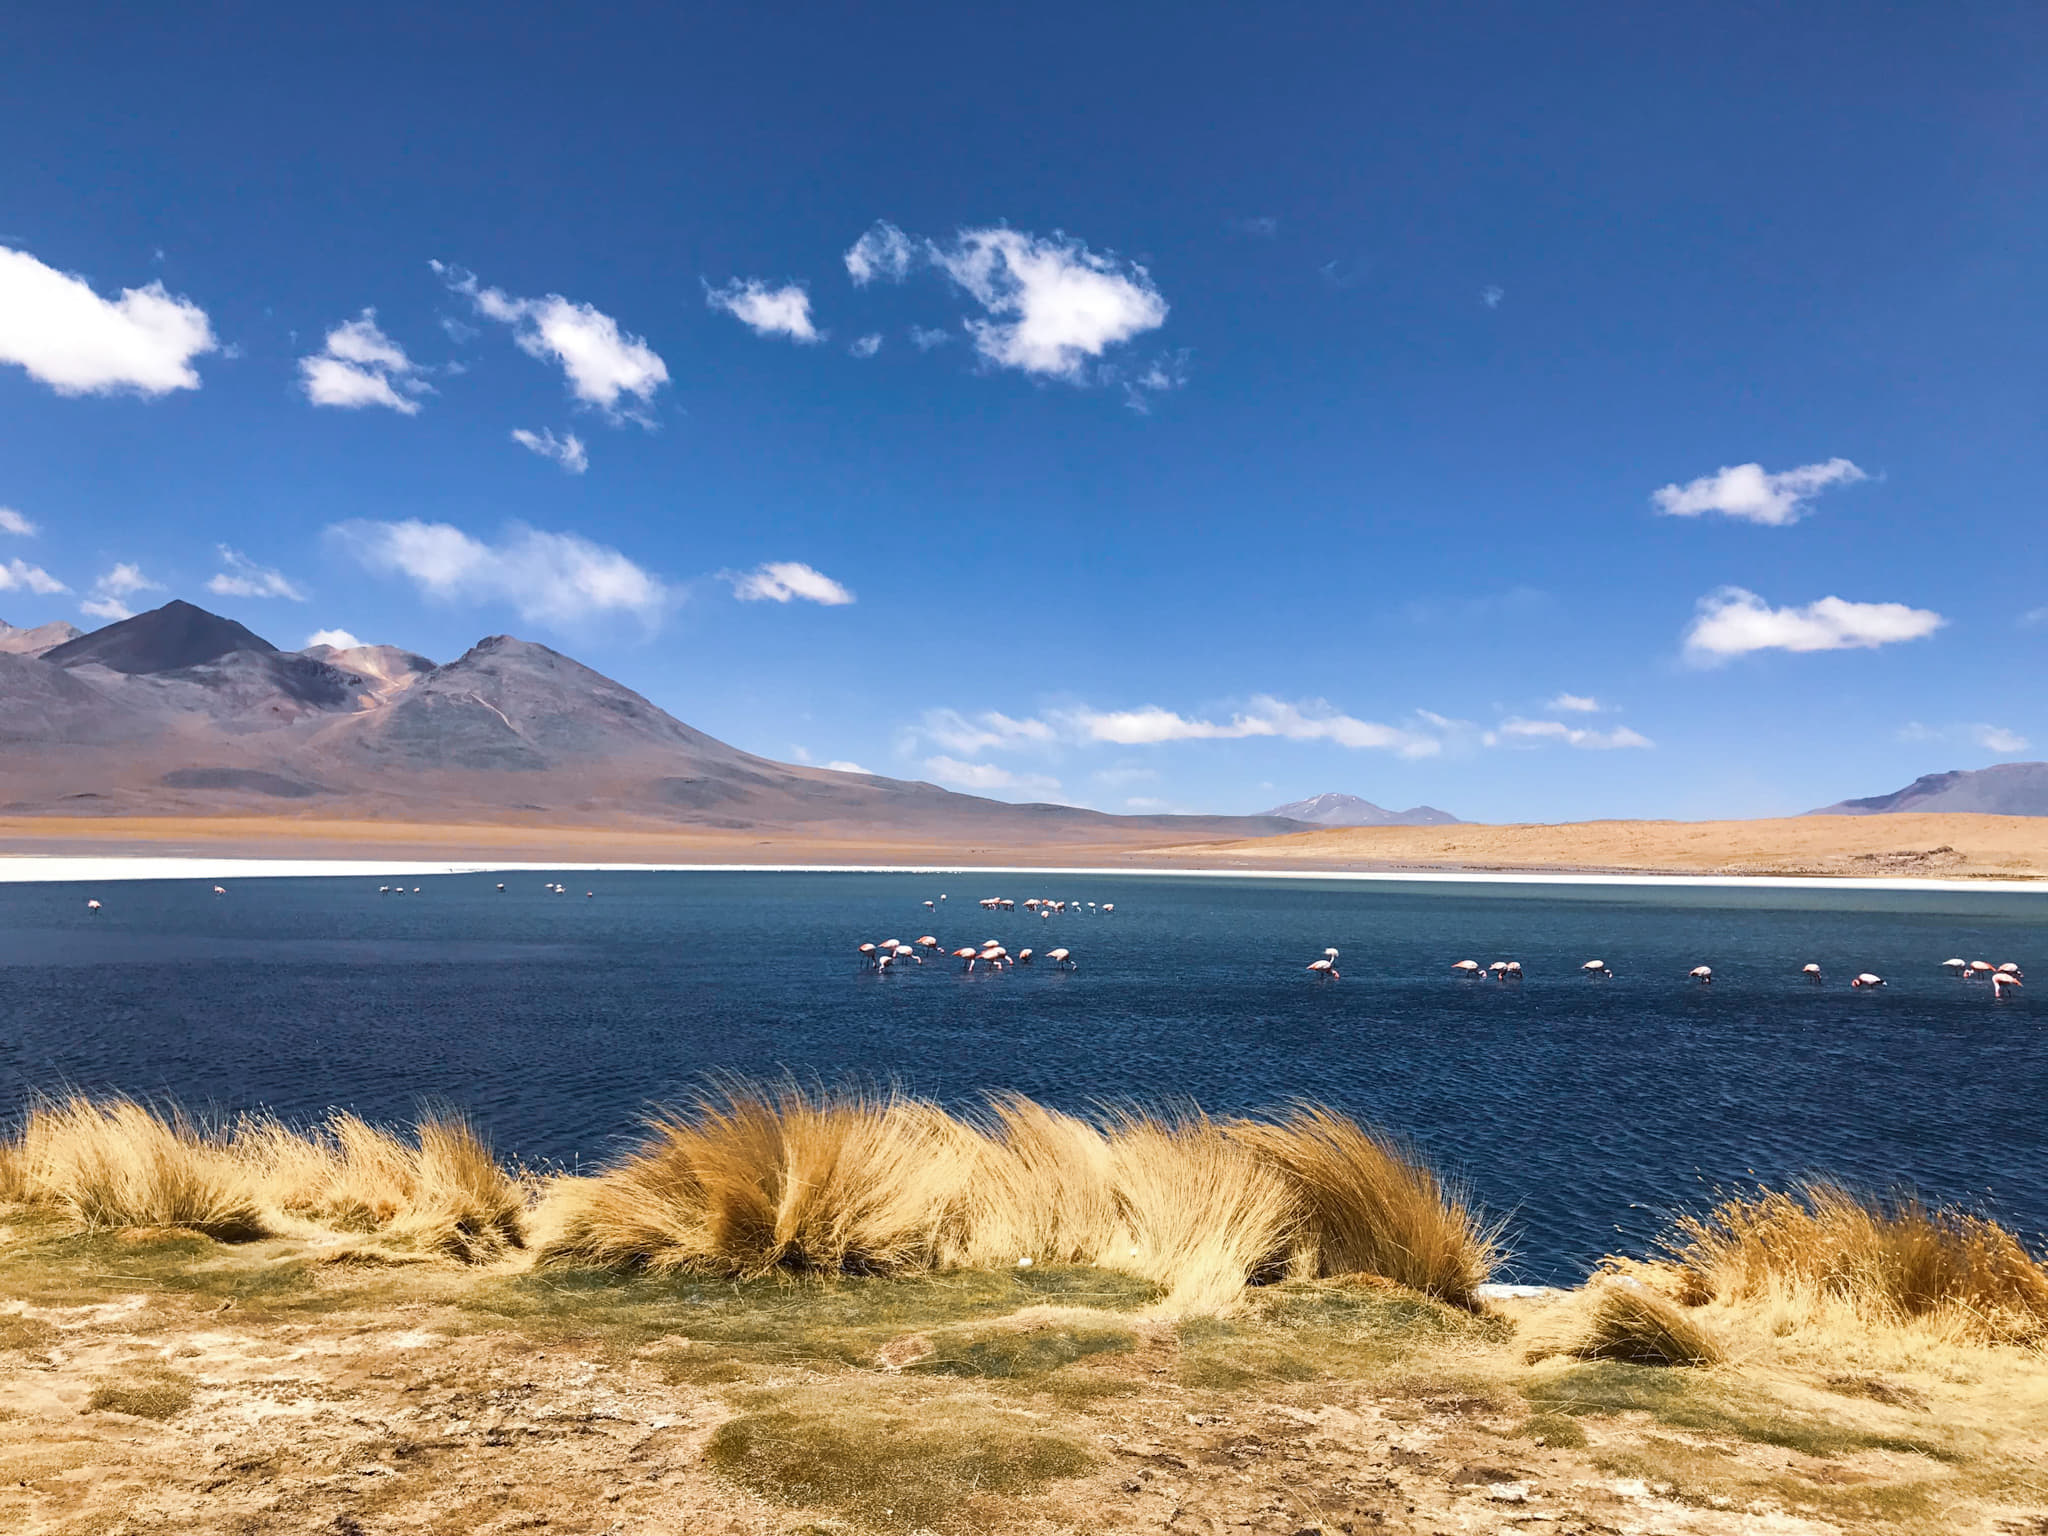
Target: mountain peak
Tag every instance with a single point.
(2004, 789)
(1334, 809)
(167, 639)
(34, 642)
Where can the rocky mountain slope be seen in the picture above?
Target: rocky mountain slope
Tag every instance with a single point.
(1331, 809)
(181, 712)
(2005, 789)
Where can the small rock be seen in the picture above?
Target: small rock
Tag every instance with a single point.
(1508, 1493)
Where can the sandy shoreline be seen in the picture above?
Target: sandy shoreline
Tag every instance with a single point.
(1907, 852)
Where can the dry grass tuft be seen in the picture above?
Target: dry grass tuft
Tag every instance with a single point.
(114, 1164)
(1640, 1327)
(1887, 1261)
(1370, 1207)
(758, 1181)
(754, 1180)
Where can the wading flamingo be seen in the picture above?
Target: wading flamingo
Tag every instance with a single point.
(1703, 974)
(1955, 967)
(1596, 968)
(1325, 970)
(220, 890)
(1023, 957)
(2011, 968)
(2000, 980)
(1061, 957)
(93, 905)
(1467, 967)
(1811, 972)
(867, 954)
(1867, 980)
(1981, 968)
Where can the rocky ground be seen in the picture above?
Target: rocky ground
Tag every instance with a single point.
(160, 1382)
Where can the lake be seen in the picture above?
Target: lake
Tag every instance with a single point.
(1585, 1111)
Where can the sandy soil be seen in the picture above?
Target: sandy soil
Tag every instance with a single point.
(156, 1384)
(1928, 846)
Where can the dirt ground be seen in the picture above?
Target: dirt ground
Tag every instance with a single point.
(1935, 846)
(159, 1382)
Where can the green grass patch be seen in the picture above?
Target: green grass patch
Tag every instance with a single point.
(1008, 1354)
(1695, 1401)
(1560, 1430)
(889, 1466)
(147, 1394)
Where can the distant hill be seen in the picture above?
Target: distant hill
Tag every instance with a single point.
(2006, 789)
(1334, 810)
(181, 712)
(33, 642)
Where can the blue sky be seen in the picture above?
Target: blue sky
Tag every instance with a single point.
(1541, 412)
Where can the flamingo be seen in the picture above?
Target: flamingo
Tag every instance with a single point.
(1703, 974)
(867, 954)
(220, 890)
(931, 906)
(1981, 968)
(1596, 968)
(2011, 968)
(501, 885)
(1324, 969)
(2000, 980)
(1330, 955)
(1867, 980)
(905, 952)
(1061, 957)
(1956, 966)
(1108, 907)
(1468, 967)
(93, 905)
(928, 942)
(965, 954)
(1811, 972)
(1023, 957)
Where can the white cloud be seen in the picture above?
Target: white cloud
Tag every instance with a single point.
(924, 337)
(781, 580)
(1745, 491)
(883, 252)
(866, 346)
(1054, 304)
(1265, 226)
(840, 765)
(1313, 720)
(340, 639)
(602, 363)
(68, 337)
(1168, 372)
(243, 577)
(1574, 703)
(1145, 803)
(556, 578)
(1733, 622)
(359, 366)
(1492, 294)
(1518, 731)
(784, 311)
(111, 591)
(12, 521)
(20, 576)
(951, 771)
(1996, 738)
(566, 450)
(955, 732)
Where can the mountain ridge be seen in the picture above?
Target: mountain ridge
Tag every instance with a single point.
(2004, 789)
(179, 712)
(1332, 808)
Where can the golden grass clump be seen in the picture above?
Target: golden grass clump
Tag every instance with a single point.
(1888, 1261)
(1636, 1325)
(115, 1164)
(756, 1181)
(1370, 1207)
(751, 1181)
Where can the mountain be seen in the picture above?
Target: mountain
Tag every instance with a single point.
(2006, 789)
(180, 712)
(1334, 810)
(33, 642)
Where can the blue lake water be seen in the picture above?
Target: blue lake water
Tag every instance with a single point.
(1585, 1111)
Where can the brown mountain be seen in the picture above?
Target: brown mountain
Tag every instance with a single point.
(181, 712)
(1332, 809)
(2004, 789)
(33, 642)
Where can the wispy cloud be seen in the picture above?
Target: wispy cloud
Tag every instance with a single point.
(1152, 725)
(20, 576)
(1167, 372)
(866, 346)
(782, 581)
(784, 311)
(240, 576)
(360, 366)
(1515, 731)
(566, 450)
(108, 599)
(841, 765)
(339, 639)
(1747, 492)
(924, 338)
(883, 254)
(1574, 703)
(54, 326)
(606, 367)
(988, 776)
(13, 522)
(1492, 294)
(1735, 622)
(556, 578)
(1991, 738)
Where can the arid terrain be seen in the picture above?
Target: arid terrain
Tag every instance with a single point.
(1945, 846)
